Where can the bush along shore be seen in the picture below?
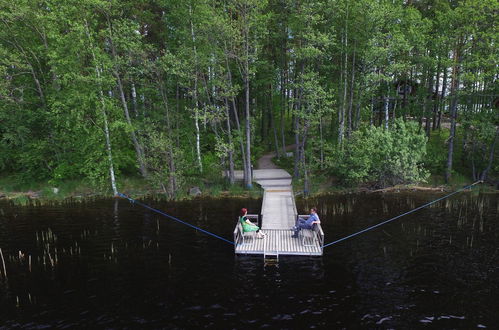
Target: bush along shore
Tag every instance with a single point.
(43, 192)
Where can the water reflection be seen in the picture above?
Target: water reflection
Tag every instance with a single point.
(109, 263)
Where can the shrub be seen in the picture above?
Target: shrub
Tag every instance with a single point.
(385, 156)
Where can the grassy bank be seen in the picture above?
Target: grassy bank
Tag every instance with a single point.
(138, 188)
(41, 191)
(213, 185)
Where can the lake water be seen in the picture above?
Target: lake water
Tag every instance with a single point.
(112, 264)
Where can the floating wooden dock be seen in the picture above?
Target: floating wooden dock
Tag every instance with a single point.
(279, 242)
(278, 216)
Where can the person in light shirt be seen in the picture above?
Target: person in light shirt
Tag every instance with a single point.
(312, 219)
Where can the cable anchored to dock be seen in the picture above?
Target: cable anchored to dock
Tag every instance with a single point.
(174, 218)
(399, 216)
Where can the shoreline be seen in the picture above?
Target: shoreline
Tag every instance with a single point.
(41, 196)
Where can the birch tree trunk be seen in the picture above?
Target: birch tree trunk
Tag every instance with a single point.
(248, 178)
(284, 99)
(284, 108)
(195, 95)
(321, 143)
(302, 156)
(442, 98)
(350, 101)
(249, 171)
(437, 98)
(134, 100)
(108, 141)
(104, 117)
(139, 151)
(138, 148)
(341, 117)
(453, 112)
(386, 102)
(230, 151)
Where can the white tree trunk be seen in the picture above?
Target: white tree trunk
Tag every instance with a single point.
(139, 150)
(134, 100)
(387, 118)
(198, 140)
(195, 94)
(249, 175)
(341, 117)
(106, 124)
(108, 146)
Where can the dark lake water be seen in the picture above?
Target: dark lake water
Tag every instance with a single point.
(112, 264)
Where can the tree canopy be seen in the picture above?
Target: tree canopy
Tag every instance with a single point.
(174, 91)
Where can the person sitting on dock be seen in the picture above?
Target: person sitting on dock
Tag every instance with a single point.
(312, 219)
(249, 226)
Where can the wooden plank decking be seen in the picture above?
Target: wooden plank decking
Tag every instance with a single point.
(278, 216)
(278, 241)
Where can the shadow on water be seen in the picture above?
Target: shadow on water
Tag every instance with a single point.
(110, 263)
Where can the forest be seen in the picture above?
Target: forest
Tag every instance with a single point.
(173, 93)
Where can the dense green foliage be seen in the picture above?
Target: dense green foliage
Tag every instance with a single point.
(385, 157)
(178, 91)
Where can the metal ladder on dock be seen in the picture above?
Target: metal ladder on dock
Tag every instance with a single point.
(270, 258)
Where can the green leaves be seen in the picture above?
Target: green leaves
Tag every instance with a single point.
(383, 157)
(325, 63)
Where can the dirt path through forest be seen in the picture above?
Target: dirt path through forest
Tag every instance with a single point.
(265, 162)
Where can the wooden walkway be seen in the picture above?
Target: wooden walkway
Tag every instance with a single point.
(278, 215)
(279, 242)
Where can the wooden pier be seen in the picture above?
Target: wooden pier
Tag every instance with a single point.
(278, 216)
